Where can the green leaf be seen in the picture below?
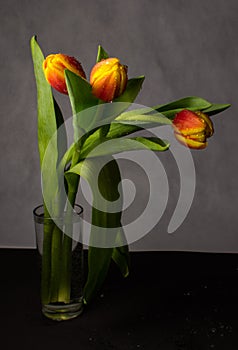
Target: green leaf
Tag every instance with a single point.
(118, 145)
(216, 108)
(51, 131)
(138, 111)
(153, 143)
(61, 132)
(81, 99)
(99, 255)
(102, 54)
(186, 102)
(133, 87)
(52, 145)
(105, 184)
(171, 113)
(140, 119)
(118, 130)
(99, 260)
(120, 254)
(80, 92)
(67, 157)
(170, 109)
(212, 110)
(48, 120)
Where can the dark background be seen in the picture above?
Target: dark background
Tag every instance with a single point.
(183, 47)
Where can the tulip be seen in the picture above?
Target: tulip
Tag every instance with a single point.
(108, 79)
(192, 128)
(54, 66)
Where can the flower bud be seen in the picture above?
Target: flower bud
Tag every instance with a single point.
(108, 79)
(192, 128)
(54, 66)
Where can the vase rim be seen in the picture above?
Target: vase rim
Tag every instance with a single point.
(38, 213)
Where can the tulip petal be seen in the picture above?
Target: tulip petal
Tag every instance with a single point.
(191, 143)
(192, 128)
(209, 126)
(108, 79)
(54, 66)
(188, 123)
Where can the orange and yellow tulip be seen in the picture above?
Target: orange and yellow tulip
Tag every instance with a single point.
(108, 79)
(192, 128)
(54, 66)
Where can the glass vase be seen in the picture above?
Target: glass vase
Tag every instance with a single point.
(61, 262)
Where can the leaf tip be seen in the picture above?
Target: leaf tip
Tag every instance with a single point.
(141, 77)
(33, 39)
(126, 274)
(102, 54)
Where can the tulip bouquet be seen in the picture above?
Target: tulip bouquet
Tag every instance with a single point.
(101, 109)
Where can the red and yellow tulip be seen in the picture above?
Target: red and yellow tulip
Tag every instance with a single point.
(192, 128)
(108, 79)
(54, 66)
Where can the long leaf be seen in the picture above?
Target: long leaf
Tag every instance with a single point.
(216, 108)
(170, 114)
(140, 119)
(212, 110)
(52, 146)
(48, 119)
(186, 102)
(101, 238)
(169, 110)
(51, 132)
(120, 254)
(99, 260)
(119, 145)
(117, 130)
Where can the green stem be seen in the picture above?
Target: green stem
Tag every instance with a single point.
(56, 248)
(65, 281)
(66, 262)
(99, 258)
(66, 258)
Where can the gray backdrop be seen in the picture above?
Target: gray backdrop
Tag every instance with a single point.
(183, 47)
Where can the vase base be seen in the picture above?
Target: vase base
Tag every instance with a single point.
(62, 312)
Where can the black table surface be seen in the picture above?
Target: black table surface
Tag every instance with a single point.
(171, 300)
